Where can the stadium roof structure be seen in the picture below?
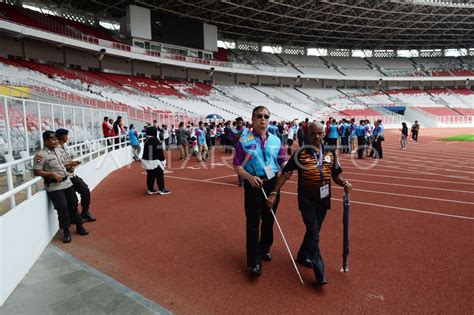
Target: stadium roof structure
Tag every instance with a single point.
(350, 24)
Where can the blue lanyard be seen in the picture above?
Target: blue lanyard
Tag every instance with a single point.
(319, 164)
(262, 147)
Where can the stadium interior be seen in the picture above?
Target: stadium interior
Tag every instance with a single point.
(66, 64)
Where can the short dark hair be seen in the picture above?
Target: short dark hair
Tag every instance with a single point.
(240, 118)
(258, 108)
(106, 118)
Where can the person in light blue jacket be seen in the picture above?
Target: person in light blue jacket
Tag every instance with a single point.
(134, 142)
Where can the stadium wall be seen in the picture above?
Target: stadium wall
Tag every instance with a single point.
(10, 46)
(117, 64)
(174, 72)
(42, 51)
(26, 230)
(85, 59)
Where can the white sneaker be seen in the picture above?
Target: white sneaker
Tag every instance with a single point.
(152, 192)
(164, 192)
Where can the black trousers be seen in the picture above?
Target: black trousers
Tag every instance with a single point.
(360, 146)
(345, 144)
(158, 175)
(376, 149)
(82, 189)
(65, 203)
(290, 145)
(313, 219)
(332, 144)
(256, 212)
(414, 135)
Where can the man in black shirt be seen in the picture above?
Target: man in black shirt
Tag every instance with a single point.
(316, 167)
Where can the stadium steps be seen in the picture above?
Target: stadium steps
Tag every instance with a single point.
(457, 96)
(331, 65)
(272, 97)
(280, 101)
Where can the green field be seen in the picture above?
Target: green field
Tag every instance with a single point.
(469, 137)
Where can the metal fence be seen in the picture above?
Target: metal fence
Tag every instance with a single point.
(17, 182)
(22, 122)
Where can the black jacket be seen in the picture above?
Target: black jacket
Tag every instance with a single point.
(153, 149)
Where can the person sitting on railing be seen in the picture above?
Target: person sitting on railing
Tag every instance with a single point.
(49, 164)
(79, 185)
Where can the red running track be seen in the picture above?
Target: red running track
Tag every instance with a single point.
(411, 242)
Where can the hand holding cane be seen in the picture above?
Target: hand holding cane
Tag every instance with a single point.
(284, 239)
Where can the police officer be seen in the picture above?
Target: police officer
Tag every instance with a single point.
(49, 164)
(79, 185)
(332, 136)
(315, 166)
(361, 142)
(258, 157)
(376, 152)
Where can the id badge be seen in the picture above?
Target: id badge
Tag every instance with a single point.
(324, 191)
(269, 172)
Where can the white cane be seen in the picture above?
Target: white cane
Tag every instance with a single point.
(284, 239)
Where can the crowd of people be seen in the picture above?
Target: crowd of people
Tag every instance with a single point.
(265, 155)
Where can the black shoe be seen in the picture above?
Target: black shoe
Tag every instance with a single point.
(305, 262)
(67, 236)
(319, 275)
(322, 280)
(87, 216)
(81, 230)
(267, 257)
(255, 271)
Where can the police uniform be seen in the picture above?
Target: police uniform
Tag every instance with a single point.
(62, 193)
(262, 160)
(315, 171)
(78, 183)
(361, 141)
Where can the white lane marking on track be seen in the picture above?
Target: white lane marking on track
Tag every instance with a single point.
(358, 202)
(451, 142)
(410, 178)
(407, 196)
(391, 184)
(208, 179)
(425, 152)
(396, 169)
(409, 165)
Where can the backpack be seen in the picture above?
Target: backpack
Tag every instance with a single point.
(347, 131)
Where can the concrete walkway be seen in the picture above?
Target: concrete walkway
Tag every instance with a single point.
(60, 284)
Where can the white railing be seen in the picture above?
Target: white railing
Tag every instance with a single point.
(84, 150)
(455, 120)
(20, 115)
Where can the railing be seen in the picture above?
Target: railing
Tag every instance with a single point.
(22, 122)
(455, 120)
(83, 151)
(135, 114)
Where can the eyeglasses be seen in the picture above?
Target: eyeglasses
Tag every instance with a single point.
(260, 116)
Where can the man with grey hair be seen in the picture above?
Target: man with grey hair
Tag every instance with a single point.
(316, 166)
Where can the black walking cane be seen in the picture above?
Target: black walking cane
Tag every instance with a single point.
(345, 239)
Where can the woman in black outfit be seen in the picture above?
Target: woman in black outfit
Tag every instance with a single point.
(153, 160)
(404, 137)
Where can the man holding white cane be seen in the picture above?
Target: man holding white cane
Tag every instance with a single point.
(258, 158)
(315, 167)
